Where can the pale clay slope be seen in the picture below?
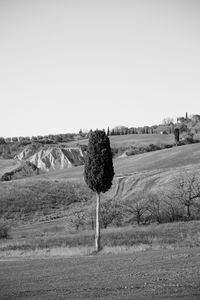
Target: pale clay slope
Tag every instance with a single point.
(55, 158)
(25, 154)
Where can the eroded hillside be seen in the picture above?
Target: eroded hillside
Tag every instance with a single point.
(54, 158)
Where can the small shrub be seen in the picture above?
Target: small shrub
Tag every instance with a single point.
(78, 219)
(165, 146)
(3, 230)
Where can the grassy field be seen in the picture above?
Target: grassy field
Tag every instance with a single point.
(133, 140)
(54, 235)
(29, 200)
(162, 159)
(141, 140)
(158, 274)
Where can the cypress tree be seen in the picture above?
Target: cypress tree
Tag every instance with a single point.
(98, 171)
(176, 135)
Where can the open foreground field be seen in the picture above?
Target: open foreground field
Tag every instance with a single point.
(158, 274)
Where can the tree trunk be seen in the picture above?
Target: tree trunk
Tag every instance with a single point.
(138, 218)
(188, 212)
(92, 221)
(97, 236)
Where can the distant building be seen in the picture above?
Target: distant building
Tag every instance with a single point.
(181, 120)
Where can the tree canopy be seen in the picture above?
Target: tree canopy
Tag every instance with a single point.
(99, 169)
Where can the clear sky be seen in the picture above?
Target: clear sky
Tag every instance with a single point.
(66, 65)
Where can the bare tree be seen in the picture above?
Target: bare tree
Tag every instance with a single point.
(77, 218)
(186, 190)
(110, 212)
(173, 209)
(155, 207)
(137, 207)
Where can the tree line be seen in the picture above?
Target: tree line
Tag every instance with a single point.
(184, 124)
(47, 139)
(189, 125)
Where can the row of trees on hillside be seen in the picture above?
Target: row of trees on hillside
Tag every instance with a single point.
(185, 124)
(47, 139)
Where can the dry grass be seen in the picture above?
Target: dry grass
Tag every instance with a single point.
(114, 240)
(76, 251)
(141, 140)
(50, 252)
(32, 200)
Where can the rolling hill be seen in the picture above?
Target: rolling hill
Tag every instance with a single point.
(158, 160)
(47, 192)
(133, 140)
(71, 154)
(151, 171)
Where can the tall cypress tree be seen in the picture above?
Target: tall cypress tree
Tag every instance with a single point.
(99, 171)
(176, 135)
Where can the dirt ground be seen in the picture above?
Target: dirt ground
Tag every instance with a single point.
(158, 274)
